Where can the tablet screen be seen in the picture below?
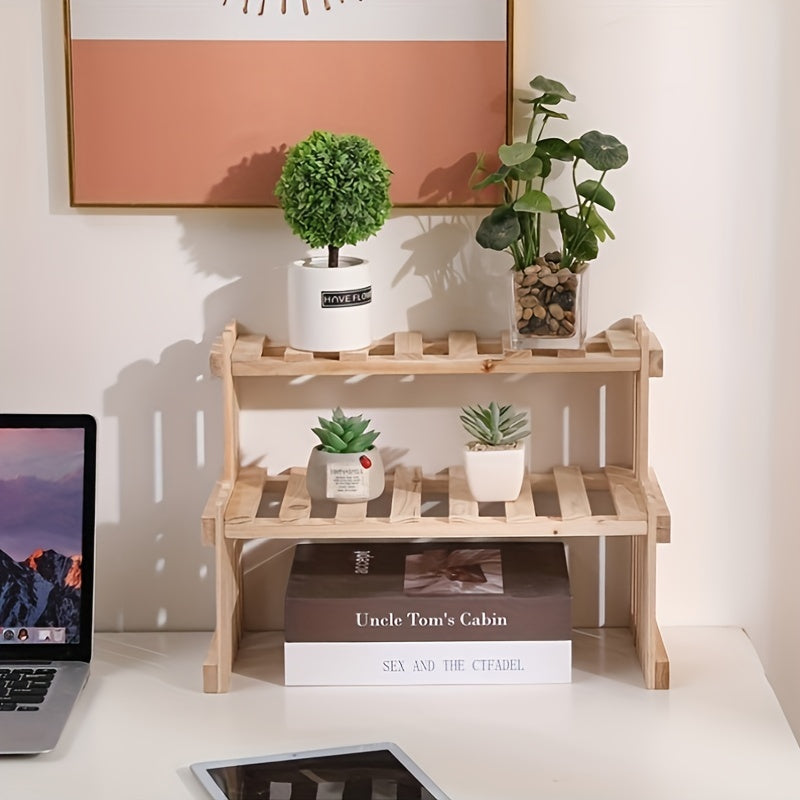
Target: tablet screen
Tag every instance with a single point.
(364, 772)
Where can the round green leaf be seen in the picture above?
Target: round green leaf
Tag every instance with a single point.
(556, 148)
(528, 170)
(499, 230)
(603, 151)
(549, 86)
(534, 202)
(597, 193)
(512, 154)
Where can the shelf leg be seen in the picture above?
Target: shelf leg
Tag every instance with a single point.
(646, 635)
(225, 642)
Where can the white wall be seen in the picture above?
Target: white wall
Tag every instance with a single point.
(114, 312)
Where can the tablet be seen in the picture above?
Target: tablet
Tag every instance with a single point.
(379, 771)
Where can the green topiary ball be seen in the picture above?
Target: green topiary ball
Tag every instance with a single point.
(334, 189)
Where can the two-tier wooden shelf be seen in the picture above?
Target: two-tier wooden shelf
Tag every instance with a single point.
(233, 513)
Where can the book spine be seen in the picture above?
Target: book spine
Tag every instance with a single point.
(415, 663)
(389, 619)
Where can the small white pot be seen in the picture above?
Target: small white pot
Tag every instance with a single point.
(495, 476)
(329, 309)
(345, 477)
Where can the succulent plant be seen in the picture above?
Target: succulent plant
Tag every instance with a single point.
(495, 425)
(343, 434)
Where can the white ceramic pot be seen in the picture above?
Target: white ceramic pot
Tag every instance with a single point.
(495, 476)
(345, 477)
(329, 309)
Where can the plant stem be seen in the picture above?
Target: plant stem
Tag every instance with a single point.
(333, 256)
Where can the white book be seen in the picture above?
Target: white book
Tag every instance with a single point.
(439, 662)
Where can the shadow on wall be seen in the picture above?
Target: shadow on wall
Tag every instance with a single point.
(169, 427)
(464, 289)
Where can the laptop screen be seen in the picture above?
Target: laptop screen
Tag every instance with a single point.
(47, 475)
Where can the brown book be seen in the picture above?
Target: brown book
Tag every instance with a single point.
(434, 591)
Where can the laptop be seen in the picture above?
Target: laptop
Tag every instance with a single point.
(47, 491)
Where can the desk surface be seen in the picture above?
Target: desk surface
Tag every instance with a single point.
(718, 733)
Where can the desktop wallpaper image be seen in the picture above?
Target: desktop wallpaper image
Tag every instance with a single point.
(41, 498)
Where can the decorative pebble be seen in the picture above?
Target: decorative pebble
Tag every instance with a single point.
(545, 296)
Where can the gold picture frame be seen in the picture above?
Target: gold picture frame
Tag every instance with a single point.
(160, 116)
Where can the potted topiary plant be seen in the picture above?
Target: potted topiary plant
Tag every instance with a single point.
(494, 460)
(345, 466)
(334, 190)
(548, 291)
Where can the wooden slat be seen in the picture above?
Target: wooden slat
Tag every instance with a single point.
(354, 355)
(246, 495)
(522, 509)
(661, 662)
(572, 497)
(408, 345)
(622, 342)
(296, 504)
(248, 347)
(216, 358)
(291, 356)
(663, 517)
(626, 493)
(440, 527)
(211, 667)
(208, 521)
(641, 403)
(462, 506)
(230, 406)
(462, 344)
(406, 495)
(351, 513)
(656, 356)
(512, 354)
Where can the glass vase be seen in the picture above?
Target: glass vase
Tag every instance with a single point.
(548, 308)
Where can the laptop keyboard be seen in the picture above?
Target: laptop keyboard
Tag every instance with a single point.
(24, 688)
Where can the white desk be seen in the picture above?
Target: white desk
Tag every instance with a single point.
(718, 733)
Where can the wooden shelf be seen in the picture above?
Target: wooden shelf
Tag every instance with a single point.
(460, 353)
(247, 503)
(608, 503)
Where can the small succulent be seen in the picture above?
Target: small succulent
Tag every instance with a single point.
(495, 426)
(343, 434)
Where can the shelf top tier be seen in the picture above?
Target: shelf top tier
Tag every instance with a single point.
(620, 348)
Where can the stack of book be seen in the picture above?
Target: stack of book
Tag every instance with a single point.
(428, 613)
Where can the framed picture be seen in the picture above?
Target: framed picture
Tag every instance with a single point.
(176, 103)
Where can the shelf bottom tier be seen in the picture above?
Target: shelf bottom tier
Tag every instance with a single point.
(262, 652)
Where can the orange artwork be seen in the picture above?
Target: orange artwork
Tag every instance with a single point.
(198, 108)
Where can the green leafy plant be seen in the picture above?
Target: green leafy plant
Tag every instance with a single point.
(334, 190)
(495, 425)
(343, 434)
(516, 224)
